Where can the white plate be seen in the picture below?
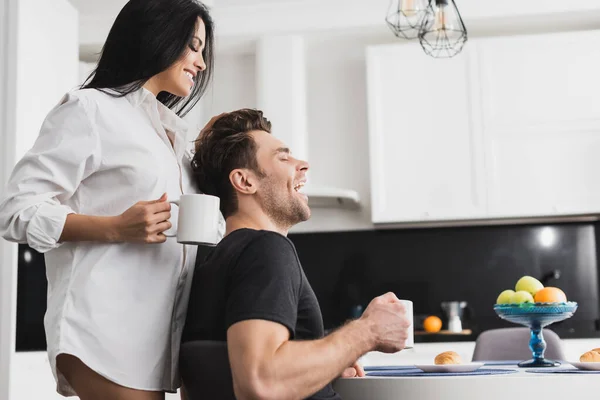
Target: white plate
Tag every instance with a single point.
(586, 366)
(470, 367)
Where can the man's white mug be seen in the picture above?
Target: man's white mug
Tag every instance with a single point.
(410, 341)
(198, 219)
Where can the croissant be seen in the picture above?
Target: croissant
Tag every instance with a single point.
(590, 356)
(447, 357)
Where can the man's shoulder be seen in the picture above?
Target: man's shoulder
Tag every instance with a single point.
(258, 238)
(244, 244)
(262, 249)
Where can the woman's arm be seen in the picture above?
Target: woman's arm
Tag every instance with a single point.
(66, 152)
(144, 222)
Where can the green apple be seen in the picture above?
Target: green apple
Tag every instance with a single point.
(528, 284)
(521, 297)
(505, 297)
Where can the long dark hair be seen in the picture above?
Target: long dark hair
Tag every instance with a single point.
(147, 37)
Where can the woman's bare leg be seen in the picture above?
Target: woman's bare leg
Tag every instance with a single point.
(90, 386)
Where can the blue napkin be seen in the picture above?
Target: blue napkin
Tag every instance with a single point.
(418, 372)
(403, 367)
(388, 367)
(561, 371)
(501, 362)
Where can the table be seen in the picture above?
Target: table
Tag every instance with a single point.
(520, 385)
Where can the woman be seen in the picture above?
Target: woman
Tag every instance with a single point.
(92, 195)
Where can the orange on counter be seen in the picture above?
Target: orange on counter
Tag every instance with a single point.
(432, 324)
(550, 294)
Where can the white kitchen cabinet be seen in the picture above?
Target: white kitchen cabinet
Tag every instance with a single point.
(424, 143)
(541, 123)
(510, 128)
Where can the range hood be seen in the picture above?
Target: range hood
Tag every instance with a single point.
(281, 94)
(330, 197)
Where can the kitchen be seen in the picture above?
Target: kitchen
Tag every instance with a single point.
(451, 205)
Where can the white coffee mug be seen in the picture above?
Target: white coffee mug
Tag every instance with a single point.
(410, 340)
(198, 219)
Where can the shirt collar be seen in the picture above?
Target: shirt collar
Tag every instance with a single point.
(169, 119)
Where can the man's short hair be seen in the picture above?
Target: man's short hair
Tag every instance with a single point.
(226, 146)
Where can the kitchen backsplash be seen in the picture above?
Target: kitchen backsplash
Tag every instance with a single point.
(473, 264)
(427, 266)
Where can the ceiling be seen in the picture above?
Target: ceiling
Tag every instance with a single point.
(91, 7)
(104, 7)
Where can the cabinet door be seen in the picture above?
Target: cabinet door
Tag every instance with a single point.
(541, 123)
(425, 157)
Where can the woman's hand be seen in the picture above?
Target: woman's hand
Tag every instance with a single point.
(355, 370)
(144, 222)
(206, 128)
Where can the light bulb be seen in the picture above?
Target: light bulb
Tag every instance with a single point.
(440, 23)
(408, 8)
(443, 25)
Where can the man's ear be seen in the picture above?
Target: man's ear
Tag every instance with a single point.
(243, 181)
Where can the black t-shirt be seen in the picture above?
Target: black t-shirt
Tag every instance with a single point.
(253, 274)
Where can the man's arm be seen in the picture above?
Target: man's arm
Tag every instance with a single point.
(267, 365)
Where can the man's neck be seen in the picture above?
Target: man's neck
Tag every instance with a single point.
(257, 221)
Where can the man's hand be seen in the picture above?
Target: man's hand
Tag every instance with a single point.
(388, 323)
(355, 370)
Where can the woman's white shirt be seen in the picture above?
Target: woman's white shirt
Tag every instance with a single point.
(119, 307)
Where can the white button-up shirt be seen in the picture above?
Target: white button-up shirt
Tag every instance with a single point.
(119, 307)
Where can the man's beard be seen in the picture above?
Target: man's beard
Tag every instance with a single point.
(284, 211)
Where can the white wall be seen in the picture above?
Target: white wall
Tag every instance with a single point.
(39, 60)
(338, 144)
(233, 86)
(8, 251)
(85, 69)
(48, 54)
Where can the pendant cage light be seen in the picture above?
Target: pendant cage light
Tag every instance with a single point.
(405, 17)
(436, 23)
(443, 33)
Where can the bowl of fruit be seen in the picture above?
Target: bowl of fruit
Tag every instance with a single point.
(534, 306)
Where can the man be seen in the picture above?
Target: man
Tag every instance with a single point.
(251, 290)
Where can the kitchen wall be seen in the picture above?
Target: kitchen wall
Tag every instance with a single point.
(473, 264)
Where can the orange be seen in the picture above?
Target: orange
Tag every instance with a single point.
(432, 324)
(550, 294)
